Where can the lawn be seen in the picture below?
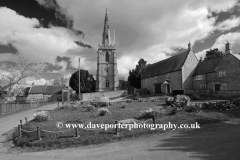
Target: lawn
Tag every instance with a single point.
(80, 115)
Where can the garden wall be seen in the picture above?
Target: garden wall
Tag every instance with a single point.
(110, 94)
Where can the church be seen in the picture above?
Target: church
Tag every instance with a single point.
(107, 72)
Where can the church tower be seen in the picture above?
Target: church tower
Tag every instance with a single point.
(107, 73)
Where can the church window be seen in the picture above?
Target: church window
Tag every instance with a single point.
(107, 83)
(107, 57)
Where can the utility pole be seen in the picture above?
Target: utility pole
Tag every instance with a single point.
(79, 89)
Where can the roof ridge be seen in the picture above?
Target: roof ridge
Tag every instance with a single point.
(169, 57)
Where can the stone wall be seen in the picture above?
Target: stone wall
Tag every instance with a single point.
(110, 94)
(188, 69)
(230, 84)
(175, 79)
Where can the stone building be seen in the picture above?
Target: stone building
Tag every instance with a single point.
(107, 73)
(219, 76)
(170, 74)
(215, 77)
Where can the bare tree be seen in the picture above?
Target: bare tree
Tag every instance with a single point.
(14, 75)
(60, 81)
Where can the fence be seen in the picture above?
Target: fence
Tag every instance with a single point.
(39, 131)
(7, 108)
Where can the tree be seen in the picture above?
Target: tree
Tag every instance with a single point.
(212, 54)
(60, 81)
(86, 79)
(135, 75)
(13, 74)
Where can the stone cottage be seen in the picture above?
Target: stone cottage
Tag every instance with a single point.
(183, 72)
(219, 76)
(172, 74)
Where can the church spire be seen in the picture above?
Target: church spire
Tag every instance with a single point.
(106, 37)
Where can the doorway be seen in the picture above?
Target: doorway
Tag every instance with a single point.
(168, 88)
(157, 88)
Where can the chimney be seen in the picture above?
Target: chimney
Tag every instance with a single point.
(228, 48)
(200, 59)
(189, 46)
(33, 84)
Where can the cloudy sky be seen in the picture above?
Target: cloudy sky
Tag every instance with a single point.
(60, 31)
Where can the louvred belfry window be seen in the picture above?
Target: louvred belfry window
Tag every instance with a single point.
(107, 57)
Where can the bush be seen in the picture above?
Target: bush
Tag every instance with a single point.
(172, 110)
(89, 108)
(236, 101)
(149, 113)
(221, 105)
(103, 111)
(41, 116)
(194, 107)
(129, 101)
(182, 99)
(169, 100)
(104, 104)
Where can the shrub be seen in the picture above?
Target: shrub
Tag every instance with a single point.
(222, 105)
(194, 107)
(103, 111)
(104, 104)
(129, 101)
(169, 100)
(89, 108)
(236, 101)
(41, 116)
(183, 99)
(149, 113)
(172, 110)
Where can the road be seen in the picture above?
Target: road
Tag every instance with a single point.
(219, 141)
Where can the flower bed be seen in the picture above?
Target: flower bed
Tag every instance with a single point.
(221, 105)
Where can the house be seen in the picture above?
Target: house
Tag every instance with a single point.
(183, 73)
(45, 92)
(172, 74)
(220, 76)
(22, 96)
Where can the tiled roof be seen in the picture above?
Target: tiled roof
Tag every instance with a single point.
(207, 66)
(171, 64)
(237, 56)
(37, 89)
(54, 89)
(43, 89)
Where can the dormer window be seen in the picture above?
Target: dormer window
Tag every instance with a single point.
(107, 57)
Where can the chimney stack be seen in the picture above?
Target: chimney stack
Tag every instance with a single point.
(200, 59)
(227, 48)
(189, 46)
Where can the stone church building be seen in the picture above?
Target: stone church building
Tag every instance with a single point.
(184, 73)
(107, 72)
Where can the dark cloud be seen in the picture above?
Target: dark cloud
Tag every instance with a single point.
(47, 16)
(7, 49)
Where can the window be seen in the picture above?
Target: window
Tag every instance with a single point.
(223, 86)
(199, 77)
(107, 57)
(155, 78)
(107, 83)
(203, 86)
(221, 74)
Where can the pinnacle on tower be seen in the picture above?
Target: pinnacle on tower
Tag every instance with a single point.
(106, 37)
